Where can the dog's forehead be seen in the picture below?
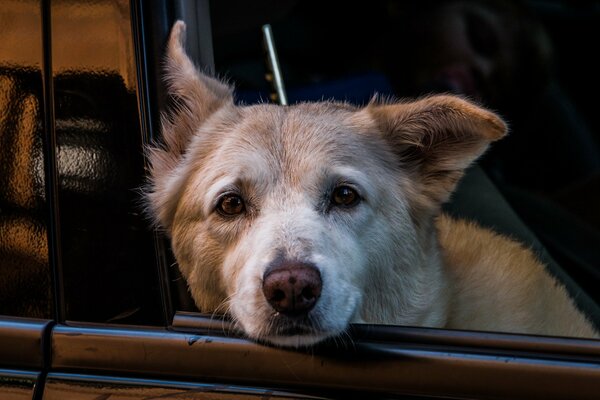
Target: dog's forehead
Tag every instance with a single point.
(304, 145)
(307, 130)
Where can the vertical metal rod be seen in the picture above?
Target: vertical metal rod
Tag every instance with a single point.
(50, 167)
(275, 78)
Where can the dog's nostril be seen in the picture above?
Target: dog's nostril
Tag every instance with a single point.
(278, 295)
(308, 293)
(292, 288)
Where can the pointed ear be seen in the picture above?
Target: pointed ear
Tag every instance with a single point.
(196, 95)
(436, 139)
(195, 98)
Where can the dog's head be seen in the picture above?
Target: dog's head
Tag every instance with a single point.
(298, 220)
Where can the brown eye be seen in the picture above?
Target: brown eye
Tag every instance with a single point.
(344, 196)
(231, 204)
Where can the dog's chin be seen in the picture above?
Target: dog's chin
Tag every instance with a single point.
(295, 341)
(295, 332)
(298, 340)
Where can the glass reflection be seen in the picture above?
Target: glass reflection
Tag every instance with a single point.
(24, 269)
(108, 257)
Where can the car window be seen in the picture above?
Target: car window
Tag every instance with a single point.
(72, 168)
(513, 57)
(25, 276)
(108, 261)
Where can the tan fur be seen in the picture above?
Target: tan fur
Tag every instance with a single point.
(381, 260)
(490, 272)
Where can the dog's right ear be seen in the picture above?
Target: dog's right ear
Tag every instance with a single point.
(196, 97)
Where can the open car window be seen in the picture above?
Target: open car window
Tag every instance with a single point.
(518, 189)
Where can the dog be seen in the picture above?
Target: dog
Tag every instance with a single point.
(298, 220)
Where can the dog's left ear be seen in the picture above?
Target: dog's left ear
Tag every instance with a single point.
(197, 95)
(436, 138)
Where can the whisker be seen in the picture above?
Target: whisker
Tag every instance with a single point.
(224, 305)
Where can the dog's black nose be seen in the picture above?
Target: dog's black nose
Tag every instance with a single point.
(292, 287)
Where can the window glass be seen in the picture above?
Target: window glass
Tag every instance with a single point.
(108, 257)
(25, 288)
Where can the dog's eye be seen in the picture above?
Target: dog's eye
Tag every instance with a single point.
(231, 204)
(344, 196)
